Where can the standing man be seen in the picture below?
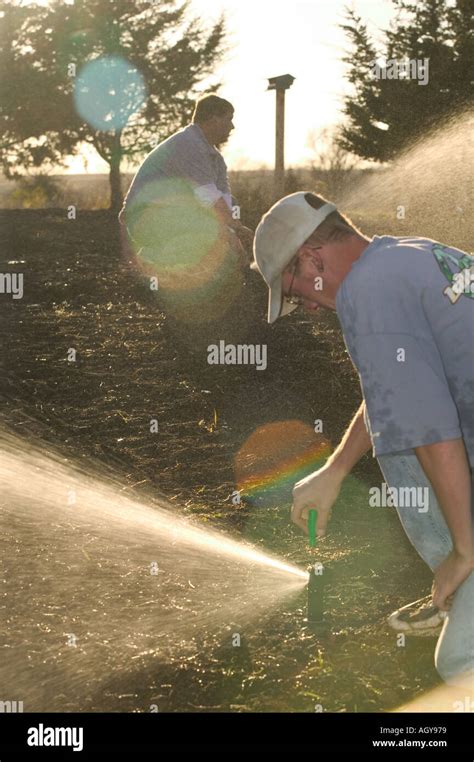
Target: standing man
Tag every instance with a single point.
(191, 160)
(406, 308)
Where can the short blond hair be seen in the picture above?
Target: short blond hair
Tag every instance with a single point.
(208, 106)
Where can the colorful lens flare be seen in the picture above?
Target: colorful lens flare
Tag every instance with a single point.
(108, 91)
(275, 456)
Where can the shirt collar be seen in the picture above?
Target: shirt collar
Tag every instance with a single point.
(198, 132)
(376, 241)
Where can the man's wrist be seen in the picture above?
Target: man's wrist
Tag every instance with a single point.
(338, 466)
(465, 552)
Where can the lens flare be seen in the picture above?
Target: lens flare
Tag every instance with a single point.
(108, 91)
(275, 456)
(182, 242)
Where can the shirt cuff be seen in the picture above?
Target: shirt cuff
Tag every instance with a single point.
(208, 194)
(385, 446)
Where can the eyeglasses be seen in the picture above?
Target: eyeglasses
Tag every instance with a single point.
(293, 298)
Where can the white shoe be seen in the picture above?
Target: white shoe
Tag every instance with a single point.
(419, 618)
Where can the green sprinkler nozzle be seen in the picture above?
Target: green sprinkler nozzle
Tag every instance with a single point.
(312, 521)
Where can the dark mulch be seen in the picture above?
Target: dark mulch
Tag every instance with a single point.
(218, 426)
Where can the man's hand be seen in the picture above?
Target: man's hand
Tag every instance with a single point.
(448, 576)
(236, 247)
(245, 236)
(317, 490)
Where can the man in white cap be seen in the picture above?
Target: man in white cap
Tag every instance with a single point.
(409, 329)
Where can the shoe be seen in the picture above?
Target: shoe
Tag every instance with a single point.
(419, 618)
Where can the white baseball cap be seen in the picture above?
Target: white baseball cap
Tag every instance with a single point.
(279, 235)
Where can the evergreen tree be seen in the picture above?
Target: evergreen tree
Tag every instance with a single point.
(120, 75)
(384, 115)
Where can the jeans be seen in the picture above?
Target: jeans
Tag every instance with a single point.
(429, 534)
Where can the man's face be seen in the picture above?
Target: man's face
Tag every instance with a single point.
(312, 279)
(222, 127)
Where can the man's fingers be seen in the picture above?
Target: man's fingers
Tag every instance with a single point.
(301, 523)
(448, 605)
(449, 602)
(299, 516)
(440, 600)
(322, 524)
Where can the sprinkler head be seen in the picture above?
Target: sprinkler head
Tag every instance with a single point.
(315, 617)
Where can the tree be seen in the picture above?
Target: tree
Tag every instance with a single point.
(384, 115)
(36, 192)
(119, 75)
(332, 167)
(24, 93)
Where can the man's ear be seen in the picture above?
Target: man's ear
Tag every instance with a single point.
(311, 255)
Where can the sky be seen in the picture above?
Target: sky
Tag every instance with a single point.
(274, 37)
(269, 38)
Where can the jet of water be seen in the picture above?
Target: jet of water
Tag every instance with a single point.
(95, 579)
(427, 191)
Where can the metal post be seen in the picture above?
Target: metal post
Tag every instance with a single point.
(280, 84)
(280, 144)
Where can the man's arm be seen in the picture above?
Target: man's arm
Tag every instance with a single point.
(245, 235)
(201, 171)
(353, 445)
(321, 488)
(447, 468)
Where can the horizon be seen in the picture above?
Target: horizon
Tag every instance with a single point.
(309, 38)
